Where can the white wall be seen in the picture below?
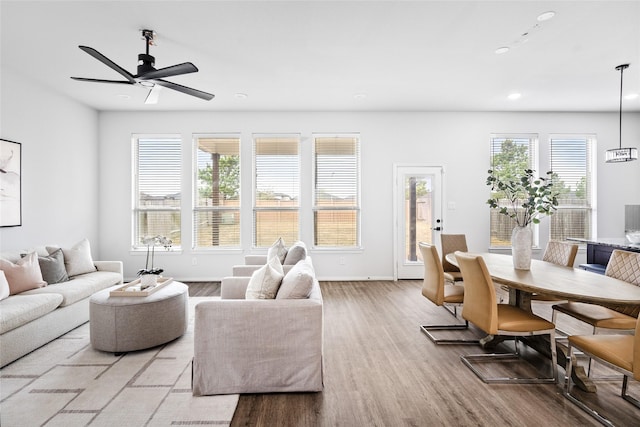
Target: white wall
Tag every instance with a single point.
(457, 141)
(59, 165)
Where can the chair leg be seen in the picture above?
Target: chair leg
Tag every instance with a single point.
(568, 385)
(452, 327)
(470, 360)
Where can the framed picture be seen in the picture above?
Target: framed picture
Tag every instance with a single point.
(10, 183)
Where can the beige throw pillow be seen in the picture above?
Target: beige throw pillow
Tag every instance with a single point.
(77, 259)
(265, 281)
(298, 282)
(23, 275)
(278, 249)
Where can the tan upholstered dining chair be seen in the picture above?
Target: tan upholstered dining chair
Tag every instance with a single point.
(618, 352)
(442, 292)
(451, 243)
(482, 309)
(623, 265)
(560, 253)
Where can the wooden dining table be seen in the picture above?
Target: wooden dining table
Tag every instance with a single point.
(557, 281)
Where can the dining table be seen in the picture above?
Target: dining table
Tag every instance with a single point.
(567, 283)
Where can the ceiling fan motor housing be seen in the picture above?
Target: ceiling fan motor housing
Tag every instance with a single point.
(146, 63)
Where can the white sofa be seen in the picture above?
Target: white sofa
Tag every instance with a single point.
(35, 317)
(259, 345)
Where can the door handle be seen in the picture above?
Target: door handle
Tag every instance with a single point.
(437, 228)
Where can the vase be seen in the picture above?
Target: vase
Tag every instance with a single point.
(148, 281)
(521, 242)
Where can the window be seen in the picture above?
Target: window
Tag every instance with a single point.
(276, 201)
(510, 155)
(336, 201)
(157, 189)
(216, 212)
(571, 160)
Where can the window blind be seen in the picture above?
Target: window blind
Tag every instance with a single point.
(158, 170)
(216, 213)
(276, 188)
(336, 190)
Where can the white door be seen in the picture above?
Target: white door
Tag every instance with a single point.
(417, 214)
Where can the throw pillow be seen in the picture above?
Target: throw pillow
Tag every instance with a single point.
(77, 259)
(298, 282)
(277, 249)
(295, 253)
(53, 268)
(265, 281)
(23, 275)
(4, 286)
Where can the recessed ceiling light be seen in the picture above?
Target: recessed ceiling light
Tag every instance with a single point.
(514, 95)
(241, 95)
(631, 96)
(501, 50)
(123, 96)
(546, 16)
(360, 95)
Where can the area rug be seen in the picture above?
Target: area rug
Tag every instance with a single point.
(68, 383)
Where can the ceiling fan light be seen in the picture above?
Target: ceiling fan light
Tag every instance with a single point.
(617, 155)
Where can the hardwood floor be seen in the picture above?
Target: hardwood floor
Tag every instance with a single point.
(381, 370)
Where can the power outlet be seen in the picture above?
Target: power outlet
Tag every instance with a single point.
(342, 261)
(194, 261)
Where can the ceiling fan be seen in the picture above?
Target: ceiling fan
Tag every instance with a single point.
(148, 76)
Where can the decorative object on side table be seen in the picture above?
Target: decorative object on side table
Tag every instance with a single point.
(524, 200)
(149, 276)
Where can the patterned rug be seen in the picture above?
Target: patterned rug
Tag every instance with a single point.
(68, 383)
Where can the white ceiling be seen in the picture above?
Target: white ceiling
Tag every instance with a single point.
(316, 55)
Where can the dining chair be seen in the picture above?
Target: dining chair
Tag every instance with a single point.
(619, 352)
(442, 292)
(507, 321)
(560, 253)
(451, 243)
(623, 265)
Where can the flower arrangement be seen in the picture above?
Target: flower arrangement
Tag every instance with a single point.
(151, 243)
(529, 197)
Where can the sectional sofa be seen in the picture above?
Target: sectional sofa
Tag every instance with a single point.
(32, 318)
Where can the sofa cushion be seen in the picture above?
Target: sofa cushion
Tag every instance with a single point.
(21, 309)
(24, 274)
(298, 282)
(52, 267)
(295, 253)
(80, 287)
(265, 281)
(277, 249)
(4, 286)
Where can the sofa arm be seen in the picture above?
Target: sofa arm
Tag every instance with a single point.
(114, 266)
(257, 346)
(233, 287)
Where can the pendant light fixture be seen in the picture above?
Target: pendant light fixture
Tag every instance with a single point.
(620, 154)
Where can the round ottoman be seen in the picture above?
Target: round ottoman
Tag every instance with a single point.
(120, 324)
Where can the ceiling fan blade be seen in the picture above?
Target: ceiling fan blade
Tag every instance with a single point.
(184, 89)
(100, 57)
(174, 70)
(153, 95)
(83, 79)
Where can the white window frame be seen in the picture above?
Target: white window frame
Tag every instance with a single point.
(137, 209)
(532, 151)
(236, 211)
(316, 208)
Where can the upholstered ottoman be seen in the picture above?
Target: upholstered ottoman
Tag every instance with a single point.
(119, 324)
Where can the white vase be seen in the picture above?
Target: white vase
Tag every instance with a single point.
(148, 280)
(521, 241)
